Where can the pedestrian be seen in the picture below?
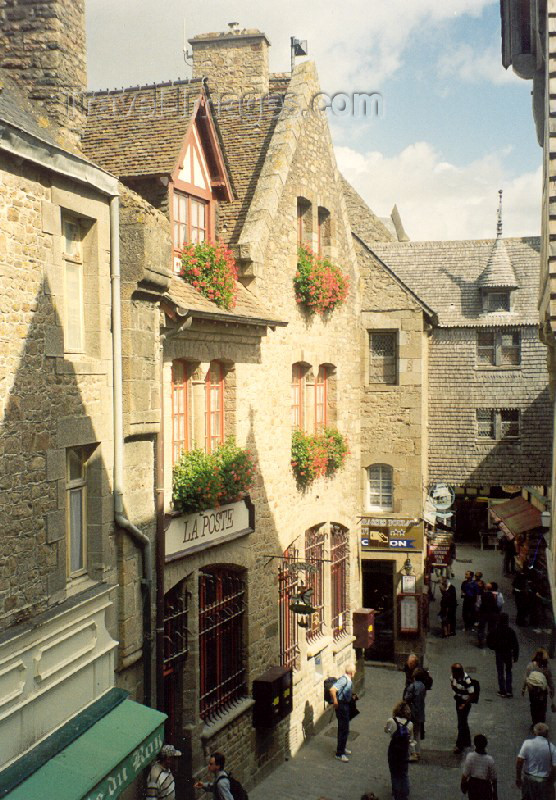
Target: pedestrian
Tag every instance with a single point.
(488, 613)
(535, 767)
(160, 781)
(400, 729)
(220, 783)
(410, 666)
(448, 606)
(539, 684)
(498, 594)
(503, 641)
(522, 598)
(508, 542)
(469, 592)
(341, 693)
(479, 773)
(463, 689)
(414, 696)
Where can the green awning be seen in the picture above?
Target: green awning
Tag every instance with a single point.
(99, 763)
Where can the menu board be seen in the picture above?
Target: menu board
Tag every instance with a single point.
(409, 613)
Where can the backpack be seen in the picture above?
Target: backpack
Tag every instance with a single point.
(236, 789)
(536, 680)
(398, 750)
(328, 684)
(474, 698)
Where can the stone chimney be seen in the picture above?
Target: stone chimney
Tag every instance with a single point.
(42, 48)
(235, 61)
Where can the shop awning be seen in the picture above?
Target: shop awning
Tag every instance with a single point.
(96, 754)
(516, 516)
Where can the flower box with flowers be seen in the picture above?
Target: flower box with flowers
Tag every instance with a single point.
(316, 455)
(211, 269)
(318, 284)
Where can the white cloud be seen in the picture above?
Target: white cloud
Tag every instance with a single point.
(440, 200)
(472, 66)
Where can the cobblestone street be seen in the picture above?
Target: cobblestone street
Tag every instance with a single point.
(314, 773)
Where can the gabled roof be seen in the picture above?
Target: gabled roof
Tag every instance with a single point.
(362, 220)
(446, 276)
(499, 273)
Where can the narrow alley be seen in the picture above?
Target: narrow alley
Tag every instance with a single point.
(314, 773)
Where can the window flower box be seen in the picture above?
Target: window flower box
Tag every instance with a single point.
(316, 455)
(211, 269)
(318, 284)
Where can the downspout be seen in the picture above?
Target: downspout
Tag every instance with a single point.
(160, 552)
(141, 539)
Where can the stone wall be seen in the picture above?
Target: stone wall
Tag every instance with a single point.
(458, 387)
(235, 62)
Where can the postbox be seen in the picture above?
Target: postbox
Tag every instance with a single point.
(272, 693)
(364, 627)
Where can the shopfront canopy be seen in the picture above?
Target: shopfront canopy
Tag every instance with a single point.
(516, 516)
(93, 756)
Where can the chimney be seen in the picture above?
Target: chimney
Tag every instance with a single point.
(43, 50)
(235, 61)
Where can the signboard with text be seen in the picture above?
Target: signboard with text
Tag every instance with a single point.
(391, 533)
(188, 533)
(440, 549)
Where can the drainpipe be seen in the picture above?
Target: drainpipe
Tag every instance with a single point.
(160, 553)
(140, 539)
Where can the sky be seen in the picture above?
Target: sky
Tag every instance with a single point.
(453, 126)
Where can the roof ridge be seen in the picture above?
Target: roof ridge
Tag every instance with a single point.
(139, 87)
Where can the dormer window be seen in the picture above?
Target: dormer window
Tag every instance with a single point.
(496, 302)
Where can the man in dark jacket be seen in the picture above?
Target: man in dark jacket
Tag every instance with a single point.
(488, 613)
(469, 593)
(505, 645)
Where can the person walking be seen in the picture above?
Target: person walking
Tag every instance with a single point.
(503, 641)
(400, 729)
(160, 780)
(509, 554)
(220, 783)
(488, 613)
(535, 767)
(478, 778)
(414, 696)
(448, 606)
(341, 693)
(521, 593)
(463, 689)
(469, 592)
(409, 667)
(538, 682)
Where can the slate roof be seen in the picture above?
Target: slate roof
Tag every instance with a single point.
(17, 110)
(362, 220)
(499, 272)
(446, 275)
(247, 309)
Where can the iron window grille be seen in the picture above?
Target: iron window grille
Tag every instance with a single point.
(339, 554)
(314, 554)
(221, 640)
(498, 424)
(175, 651)
(287, 591)
(383, 357)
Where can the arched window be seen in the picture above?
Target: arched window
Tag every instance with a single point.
(379, 487)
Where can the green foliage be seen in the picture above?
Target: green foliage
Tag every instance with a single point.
(318, 284)
(208, 480)
(316, 455)
(211, 269)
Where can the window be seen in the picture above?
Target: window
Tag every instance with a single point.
(339, 555)
(380, 487)
(72, 236)
(383, 357)
(495, 302)
(221, 640)
(175, 652)
(180, 409)
(304, 222)
(214, 407)
(498, 424)
(499, 348)
(314, 554)
(76, 511)
(323, 230)
(288, 589)
(321, 399)
(191, 221)
(298, 396)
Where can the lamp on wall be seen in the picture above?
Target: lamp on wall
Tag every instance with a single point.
(408, 566)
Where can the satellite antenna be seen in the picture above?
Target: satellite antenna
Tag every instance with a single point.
(187, 55)
(298, 48)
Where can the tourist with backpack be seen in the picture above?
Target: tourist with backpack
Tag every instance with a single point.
(463, 689)
(414, 696)
(223, 786)
(538, 682)
(341, 693)
(400, 729)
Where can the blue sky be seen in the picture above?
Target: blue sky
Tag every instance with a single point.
(456, 126)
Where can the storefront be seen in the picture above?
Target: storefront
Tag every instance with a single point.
(392, 567)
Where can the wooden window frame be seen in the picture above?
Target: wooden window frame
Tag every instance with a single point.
(213, 440)
(298, 396)
(497, 423)
(321, 399)
(497, 348)
(185, 388)
(79, 486)
(489, 298)
(381, 506)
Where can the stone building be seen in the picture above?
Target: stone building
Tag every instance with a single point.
(262, 178)
(59, 551)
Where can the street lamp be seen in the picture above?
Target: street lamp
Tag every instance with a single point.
(408, 566)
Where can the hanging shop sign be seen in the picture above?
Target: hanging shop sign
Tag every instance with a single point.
(188, 533)
(391, 533)
(440, 549)
(442, 496)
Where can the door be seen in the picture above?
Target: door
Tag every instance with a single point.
(378, 594)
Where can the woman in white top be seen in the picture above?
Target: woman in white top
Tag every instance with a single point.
(479, 773)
